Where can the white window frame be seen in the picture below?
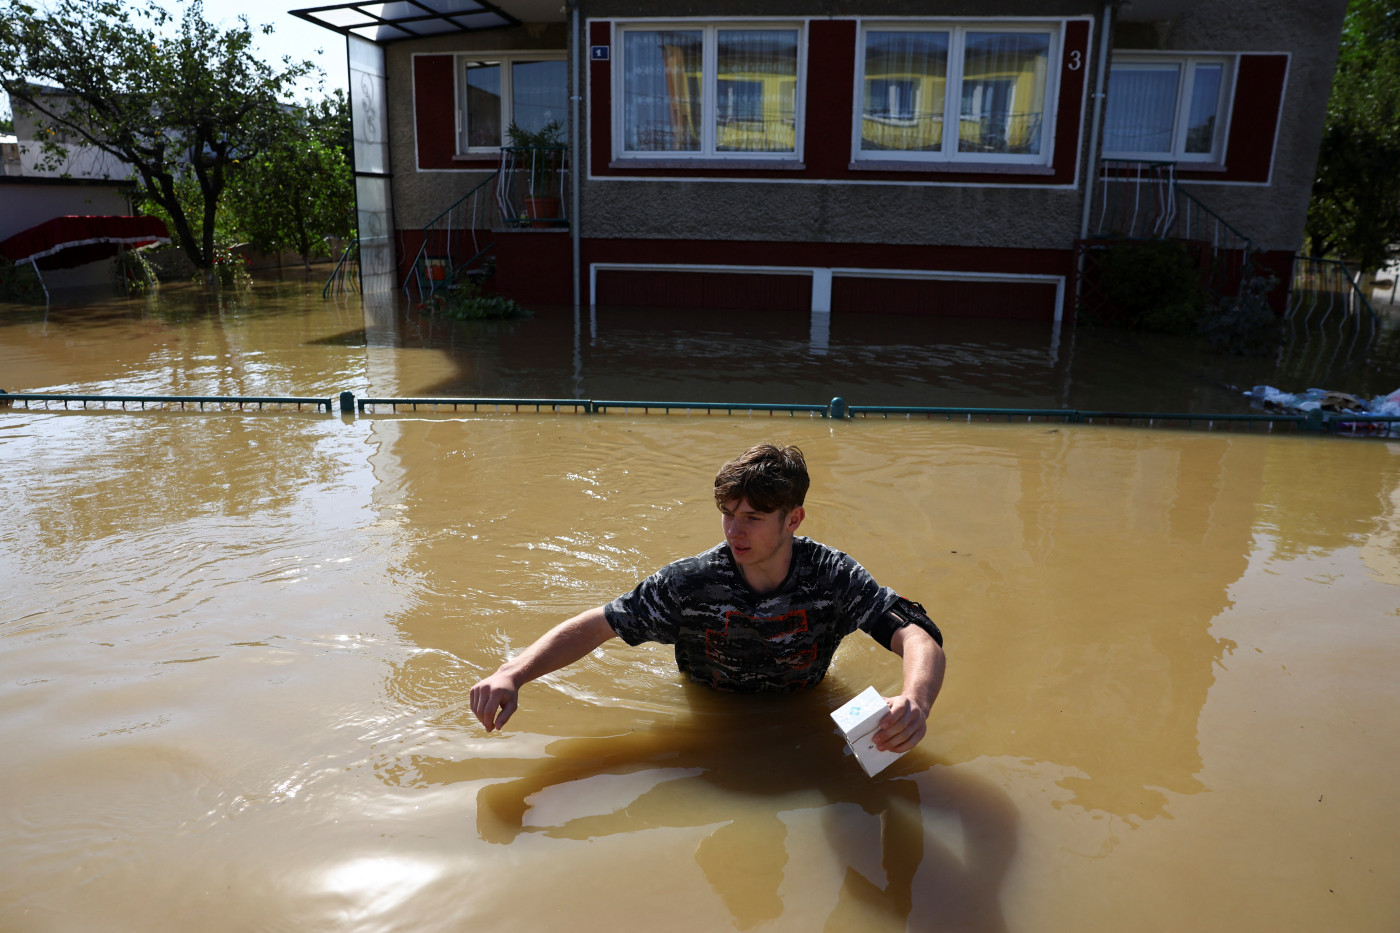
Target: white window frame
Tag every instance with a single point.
(505, 59)
(709, 95)
(952, 102)
(1185, 89)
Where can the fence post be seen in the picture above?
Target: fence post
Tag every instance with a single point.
(837, 408)
(347, 403)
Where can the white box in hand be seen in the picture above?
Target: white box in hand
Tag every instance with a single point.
(858, 721)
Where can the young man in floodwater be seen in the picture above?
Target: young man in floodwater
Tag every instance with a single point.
(764, 611)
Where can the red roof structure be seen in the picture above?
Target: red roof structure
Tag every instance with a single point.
(68, 242)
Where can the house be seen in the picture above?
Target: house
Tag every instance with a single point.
(82, 182)
(946, 158)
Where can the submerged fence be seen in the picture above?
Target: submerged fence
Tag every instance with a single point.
(349, 407)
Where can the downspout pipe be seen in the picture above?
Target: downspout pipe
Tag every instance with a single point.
(572, 6)
(1100, 80)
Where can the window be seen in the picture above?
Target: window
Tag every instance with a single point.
(996, 79)
(1167, 109)
(718, 91)
(528, 90)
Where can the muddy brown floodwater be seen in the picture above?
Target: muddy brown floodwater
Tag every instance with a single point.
(235, 649)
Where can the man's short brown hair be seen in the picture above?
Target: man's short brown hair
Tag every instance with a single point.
(769, 477)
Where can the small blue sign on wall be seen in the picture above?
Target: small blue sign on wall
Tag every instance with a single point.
(600, 53)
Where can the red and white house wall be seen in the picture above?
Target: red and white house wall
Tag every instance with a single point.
(891, 158)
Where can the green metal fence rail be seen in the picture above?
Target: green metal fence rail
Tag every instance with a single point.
(185, 402)
(348, 405)
(710, 408)
(436, 404)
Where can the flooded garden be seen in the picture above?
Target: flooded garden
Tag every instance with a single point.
(235, 646)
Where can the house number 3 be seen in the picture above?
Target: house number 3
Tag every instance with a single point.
(1076, 60)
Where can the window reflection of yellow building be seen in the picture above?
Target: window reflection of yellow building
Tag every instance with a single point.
(756, 112)
(1000, 110)
(903, 111)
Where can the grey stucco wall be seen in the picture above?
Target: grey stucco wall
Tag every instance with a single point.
(832, 213)
(1273, 215)
(419, 196)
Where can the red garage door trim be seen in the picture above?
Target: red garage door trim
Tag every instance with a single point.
(1026, 298)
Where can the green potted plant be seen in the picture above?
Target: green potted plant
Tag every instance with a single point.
(543, 154)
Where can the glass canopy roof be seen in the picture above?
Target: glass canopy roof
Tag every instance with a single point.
(407, 19)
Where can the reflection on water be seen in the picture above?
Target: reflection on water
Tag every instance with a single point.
(236, 650)
(283, 338)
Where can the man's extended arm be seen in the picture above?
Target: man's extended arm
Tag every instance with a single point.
(924, 663)
(495, 698)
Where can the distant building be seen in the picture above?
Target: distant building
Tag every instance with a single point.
(85, 182)
(946, 158)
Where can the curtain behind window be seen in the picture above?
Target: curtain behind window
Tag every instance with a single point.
(661, 90)
(1141, 108)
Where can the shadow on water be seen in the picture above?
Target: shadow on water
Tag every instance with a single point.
(952, 830)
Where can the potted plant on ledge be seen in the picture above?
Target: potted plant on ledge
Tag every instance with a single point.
(540, 154)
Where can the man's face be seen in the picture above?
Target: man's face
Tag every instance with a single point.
(758, 539)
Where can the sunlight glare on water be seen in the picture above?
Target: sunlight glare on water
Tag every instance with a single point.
(236, 649)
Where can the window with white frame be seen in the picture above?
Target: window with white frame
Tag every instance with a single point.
(686, 90)
(528, 89)
(1167, 108)
(956, 92)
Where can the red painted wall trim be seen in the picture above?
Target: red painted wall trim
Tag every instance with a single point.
(1010, 301)
(599, 101)
(831, 57)
(434, 122)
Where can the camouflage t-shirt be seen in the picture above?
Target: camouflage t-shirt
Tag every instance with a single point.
(731, 638)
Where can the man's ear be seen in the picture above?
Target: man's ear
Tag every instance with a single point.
(794, 518)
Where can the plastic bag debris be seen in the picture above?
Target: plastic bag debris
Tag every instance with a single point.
(1330, 402)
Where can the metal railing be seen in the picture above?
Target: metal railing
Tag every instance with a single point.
(1329, 323)
(456, 239)
(345, 277)
(1324, 293)
(836, 409)
(1144, 201)
(532, 186)
(49, 400)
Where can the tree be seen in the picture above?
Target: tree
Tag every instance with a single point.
(299, 189)
(173, 105)
(1355, 208)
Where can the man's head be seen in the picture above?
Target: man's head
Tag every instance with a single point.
(769, 477)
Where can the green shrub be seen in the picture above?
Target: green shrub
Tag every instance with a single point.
(20, 284)
(1153, 285)
(1244, 324)
(464, 300)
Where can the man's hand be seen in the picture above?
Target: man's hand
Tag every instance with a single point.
(905, 725)
(494, 700)
(924, 664)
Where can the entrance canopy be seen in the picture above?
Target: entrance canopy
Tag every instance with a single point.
(69, 242)
(416, 19)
